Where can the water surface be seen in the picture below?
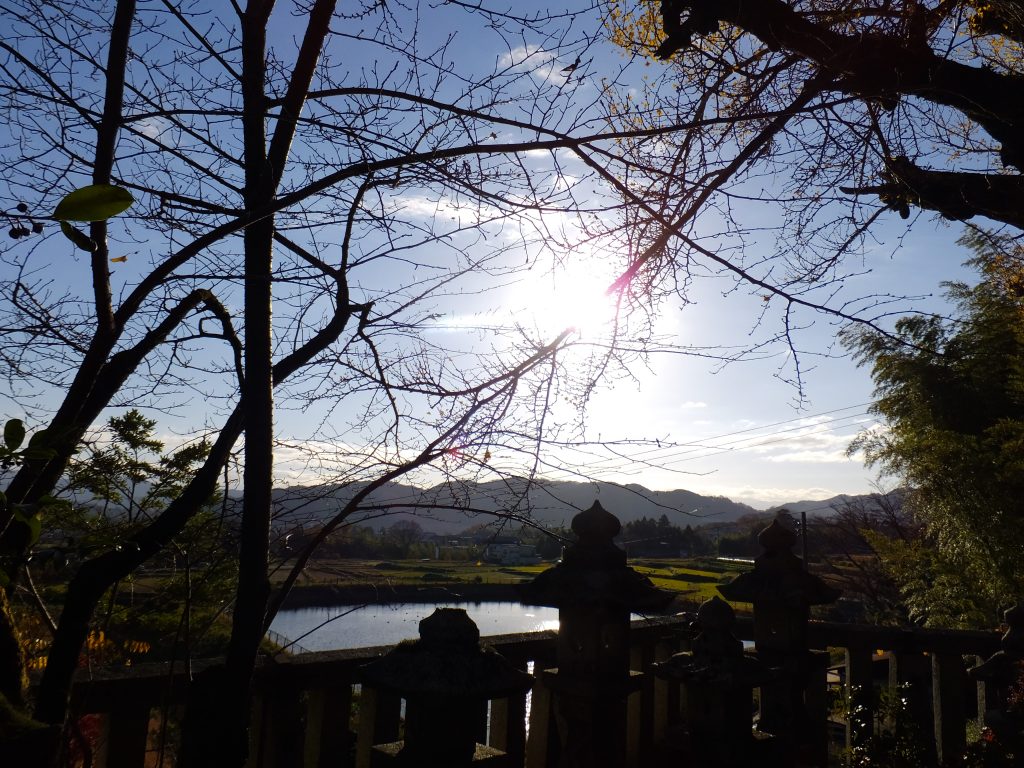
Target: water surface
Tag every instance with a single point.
(347, 626)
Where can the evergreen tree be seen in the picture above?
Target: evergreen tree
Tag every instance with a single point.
(951, 395)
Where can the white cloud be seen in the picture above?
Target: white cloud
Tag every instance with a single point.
(773, 496)
(692, 404)
(152, 127)
(533, 59)
(816, 440)
(420, 206)
(812, 457)
(531, 55)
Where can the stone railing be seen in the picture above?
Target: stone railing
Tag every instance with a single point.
(604, 693)
(311, 712)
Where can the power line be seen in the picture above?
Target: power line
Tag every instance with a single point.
(670, 454)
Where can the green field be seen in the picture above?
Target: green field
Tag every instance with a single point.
(695, 579)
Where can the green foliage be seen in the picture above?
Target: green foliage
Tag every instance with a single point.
(129, 478)
(14, 434)
(951, 393)
(11, 452)
(26, 522)
(661, 537)
(96, 202)
(117, 486)
(986, 752)
(81, 240)
(897, 742)
(937, 590)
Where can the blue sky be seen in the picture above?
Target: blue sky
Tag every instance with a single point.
(760, 441)
(743, 429)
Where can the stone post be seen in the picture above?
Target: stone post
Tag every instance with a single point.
(782, 592)
(718, 679)
(446, 678)
(1003, 677)
(594, 591)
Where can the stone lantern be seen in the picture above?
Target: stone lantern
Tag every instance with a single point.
(782, 592)
(595, 592)
(1003, 674)
(718, 679)
(446, 678)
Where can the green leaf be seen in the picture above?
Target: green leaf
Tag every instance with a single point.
(78, 237)
(14, 434)
(28, 515)
(35, 528)
(97, 202)
(37, 447)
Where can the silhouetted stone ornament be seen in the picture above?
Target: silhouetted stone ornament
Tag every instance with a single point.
(593, 570)
(718, 678)
(779, 577)
(446, 678)
(1003, 675)
(782, 592)
(1012, 642)
(595, 592)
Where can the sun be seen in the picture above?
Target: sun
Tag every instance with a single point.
(572, 295)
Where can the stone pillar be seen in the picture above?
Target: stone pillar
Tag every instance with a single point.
(782, 592)
(1003, 677)
(718, 679)
(594, 591)
(446, 678)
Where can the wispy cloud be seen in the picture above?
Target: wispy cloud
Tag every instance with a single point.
(525, 56)
(820, 440)
(423, 207)
(536, 61)
(772, 496)
(153, 127)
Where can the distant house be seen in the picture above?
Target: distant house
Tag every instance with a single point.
(511, 553)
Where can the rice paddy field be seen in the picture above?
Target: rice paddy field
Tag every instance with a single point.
(693, 579)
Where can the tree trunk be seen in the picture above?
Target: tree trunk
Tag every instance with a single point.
(222, 739)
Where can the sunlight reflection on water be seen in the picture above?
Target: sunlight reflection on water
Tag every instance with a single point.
(337, 627)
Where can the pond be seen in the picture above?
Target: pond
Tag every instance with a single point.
(356, 626)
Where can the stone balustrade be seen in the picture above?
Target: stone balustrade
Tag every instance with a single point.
(602, 692)
(309, 711)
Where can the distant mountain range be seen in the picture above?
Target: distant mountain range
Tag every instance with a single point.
(829, 506)
(450, 508)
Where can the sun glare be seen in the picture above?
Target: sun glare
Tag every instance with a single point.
(571, 295)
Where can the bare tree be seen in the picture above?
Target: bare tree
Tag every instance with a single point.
(809, 123)
(355, 197)
(845, 543)
(324, 223)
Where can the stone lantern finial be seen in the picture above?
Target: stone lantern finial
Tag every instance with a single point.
(596, 524)
(776, 537)
(595, 529)
(449, 628)
(446, 678)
